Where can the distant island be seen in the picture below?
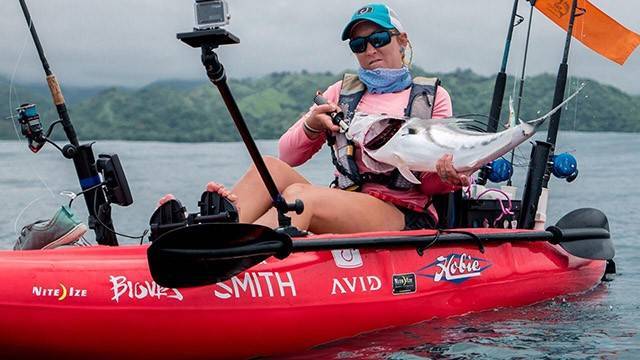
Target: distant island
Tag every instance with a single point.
(192, 111)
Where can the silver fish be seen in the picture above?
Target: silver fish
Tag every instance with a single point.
(417, 144)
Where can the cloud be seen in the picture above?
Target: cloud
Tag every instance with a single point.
(123, 42)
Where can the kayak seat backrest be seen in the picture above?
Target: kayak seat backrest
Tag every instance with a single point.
(448, 206)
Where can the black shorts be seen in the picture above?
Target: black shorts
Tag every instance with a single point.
(414, 220)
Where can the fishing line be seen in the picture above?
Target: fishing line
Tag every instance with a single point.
(13, 93)
(575, 112)
(12, 109)
(15, 223)
(522, 77)
(97, 217)
(11, 89)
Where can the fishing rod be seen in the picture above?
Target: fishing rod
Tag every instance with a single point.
(98, 194)
(521, 84)
(539, 165)
(499, 87)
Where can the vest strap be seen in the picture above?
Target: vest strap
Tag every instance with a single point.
(421, 100)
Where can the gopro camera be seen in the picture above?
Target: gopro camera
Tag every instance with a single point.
(211, 14)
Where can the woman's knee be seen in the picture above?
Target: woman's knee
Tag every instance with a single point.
(274, 165)
(297, 191)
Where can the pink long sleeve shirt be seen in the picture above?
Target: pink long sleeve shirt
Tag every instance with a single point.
(295, 147)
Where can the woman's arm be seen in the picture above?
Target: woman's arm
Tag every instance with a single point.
(442, 107)
(297, 145)
(431, 182)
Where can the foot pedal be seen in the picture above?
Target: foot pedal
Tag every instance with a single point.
(215, 208)
(168, 216)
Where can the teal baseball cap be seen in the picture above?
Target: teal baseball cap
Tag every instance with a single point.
(377, 13)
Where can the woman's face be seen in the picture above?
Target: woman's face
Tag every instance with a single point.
(388, 56)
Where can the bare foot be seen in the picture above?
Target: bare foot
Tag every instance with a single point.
(211, 187)
(222, 191)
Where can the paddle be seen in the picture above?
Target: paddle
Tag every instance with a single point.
(209, 253)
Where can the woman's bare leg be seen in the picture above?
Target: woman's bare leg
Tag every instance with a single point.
(250, 195)
(253, 197)
(328, 210)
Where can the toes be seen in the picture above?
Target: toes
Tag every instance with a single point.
(164, 199)
(228, 195)
(214, 186)
(222, 191)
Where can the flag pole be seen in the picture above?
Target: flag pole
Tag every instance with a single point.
(539, 167)
(561, 83)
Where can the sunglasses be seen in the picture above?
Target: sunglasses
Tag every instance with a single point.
(378, 39)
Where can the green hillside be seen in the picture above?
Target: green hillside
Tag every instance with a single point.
(193, 111)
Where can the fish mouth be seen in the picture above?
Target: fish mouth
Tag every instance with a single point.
(379, 140)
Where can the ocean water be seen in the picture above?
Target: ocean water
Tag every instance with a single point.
(602, 323)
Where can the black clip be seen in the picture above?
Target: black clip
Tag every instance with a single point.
(420, 249)
(471, 235)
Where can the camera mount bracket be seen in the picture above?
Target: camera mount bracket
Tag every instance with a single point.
(208, 41)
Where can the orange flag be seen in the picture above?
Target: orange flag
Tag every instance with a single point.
(594, 28)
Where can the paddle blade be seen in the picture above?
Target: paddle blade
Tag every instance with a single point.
(206, 254)
(597, 248)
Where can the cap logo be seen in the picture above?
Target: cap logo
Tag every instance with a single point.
(364, 10)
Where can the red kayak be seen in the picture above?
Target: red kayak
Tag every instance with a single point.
(101, 302)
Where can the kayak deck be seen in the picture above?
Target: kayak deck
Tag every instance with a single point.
(101, 301)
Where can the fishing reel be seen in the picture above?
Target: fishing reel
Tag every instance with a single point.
(564, 166)
(499, 170)
(32, 129)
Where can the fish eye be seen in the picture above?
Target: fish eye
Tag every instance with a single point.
(412, 131)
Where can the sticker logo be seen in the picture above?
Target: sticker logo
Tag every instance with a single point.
(347, 258)
(124, 288)
(404, 283)
(356, 284)
(256, 285)
(455, 268)
(364, 10)
(559, 8)
(61, 292)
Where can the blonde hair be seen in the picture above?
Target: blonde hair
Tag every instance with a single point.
(404, 54)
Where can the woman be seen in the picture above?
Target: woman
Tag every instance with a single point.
(379, 44)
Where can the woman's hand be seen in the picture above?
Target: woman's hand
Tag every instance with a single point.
(319, 120)
(449, 175)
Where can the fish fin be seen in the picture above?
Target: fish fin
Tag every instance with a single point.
(407, 174)
(443, 121)
(539, 121)
(404, 170)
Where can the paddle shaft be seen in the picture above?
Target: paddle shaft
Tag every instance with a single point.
(271, 248)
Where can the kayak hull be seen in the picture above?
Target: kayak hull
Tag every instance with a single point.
(101, 302)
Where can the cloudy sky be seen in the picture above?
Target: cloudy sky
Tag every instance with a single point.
(132, 42)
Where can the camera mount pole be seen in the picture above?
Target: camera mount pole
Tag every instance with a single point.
(82, 155)
(208, 41)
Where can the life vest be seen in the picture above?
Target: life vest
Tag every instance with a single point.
(421, 100)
